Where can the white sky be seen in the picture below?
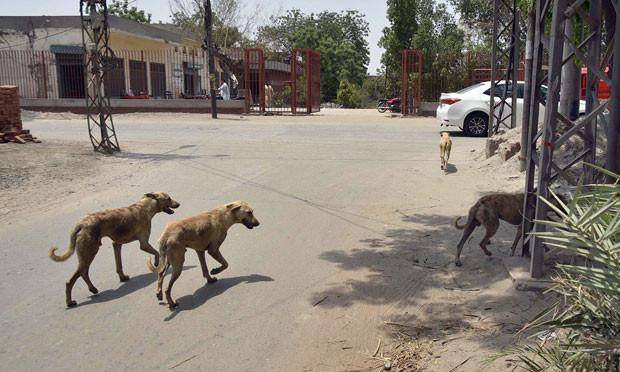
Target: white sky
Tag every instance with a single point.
(373, 9)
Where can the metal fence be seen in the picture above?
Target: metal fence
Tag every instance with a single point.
(159, 74)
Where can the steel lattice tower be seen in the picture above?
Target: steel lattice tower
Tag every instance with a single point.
(504, 65)
(542, 169)
(98, 61)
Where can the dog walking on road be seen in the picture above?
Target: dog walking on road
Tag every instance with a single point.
(445, 145)
(122, 225)
(204, 232)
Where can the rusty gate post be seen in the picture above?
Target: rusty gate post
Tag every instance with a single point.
(308, 82)
(294, 81)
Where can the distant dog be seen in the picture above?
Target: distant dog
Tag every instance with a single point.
(487, 211)
(202, 232)
(445, 145)
(122, 225)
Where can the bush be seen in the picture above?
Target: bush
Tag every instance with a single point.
(349, 95)
(581, 332)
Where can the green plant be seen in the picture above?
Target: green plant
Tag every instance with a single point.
(349, 95)
(580, 332)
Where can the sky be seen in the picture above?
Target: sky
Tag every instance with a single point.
(373, 9)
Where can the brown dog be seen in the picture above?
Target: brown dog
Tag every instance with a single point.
(445, 145)
(487, 211)
(203, 232)
(122, 225)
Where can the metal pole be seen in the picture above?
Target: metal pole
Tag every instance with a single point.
(527, 97)
(612, 161)
(209, 46)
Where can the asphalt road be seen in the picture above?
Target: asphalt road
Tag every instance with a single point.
(325, 189)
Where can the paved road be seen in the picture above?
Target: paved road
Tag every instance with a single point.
(327, 190)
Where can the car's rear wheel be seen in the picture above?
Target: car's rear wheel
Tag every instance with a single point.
(476, 124)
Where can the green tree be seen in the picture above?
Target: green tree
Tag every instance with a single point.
(121, 8)
(339, 37)
(430, 27)
(349, 95)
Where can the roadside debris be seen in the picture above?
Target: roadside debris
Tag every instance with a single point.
(11, 129)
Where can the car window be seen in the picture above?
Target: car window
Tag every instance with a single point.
(470, 88)
(520, 90)
(499, 90)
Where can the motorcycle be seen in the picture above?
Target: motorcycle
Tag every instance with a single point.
(392, 104)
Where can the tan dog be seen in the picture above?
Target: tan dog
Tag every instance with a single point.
(202, 232)
(487, 211)
(445, 145)
(122, 225)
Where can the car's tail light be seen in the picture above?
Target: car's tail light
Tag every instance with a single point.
(449, 101)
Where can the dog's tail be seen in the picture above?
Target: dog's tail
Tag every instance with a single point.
(456, 224)
(163, 258)
(65, 256)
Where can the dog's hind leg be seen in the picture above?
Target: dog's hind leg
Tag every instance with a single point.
(516, 241)
(85, 259)
(471, 225)
(203, 266)
(491, 225)
(177, 258)
(119, 262)
(69, 286)
(160, 281)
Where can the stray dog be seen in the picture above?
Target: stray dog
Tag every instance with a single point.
(202, 232)
(445, 145)
(487, 211)
(122, 225)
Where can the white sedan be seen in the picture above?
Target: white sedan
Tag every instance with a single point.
(468, 109)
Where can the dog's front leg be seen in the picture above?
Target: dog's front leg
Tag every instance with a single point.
(146, 247)
(203, 266)
(119, 262)
(215, 253)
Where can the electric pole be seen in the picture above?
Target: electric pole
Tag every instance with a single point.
(209, 46)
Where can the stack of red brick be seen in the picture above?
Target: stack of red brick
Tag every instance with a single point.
(10, 117)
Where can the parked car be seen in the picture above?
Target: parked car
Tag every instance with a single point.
(468, 109)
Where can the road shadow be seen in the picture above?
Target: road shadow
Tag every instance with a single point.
(154, 157)
(134, 283)
(451, 168)
(411, 272)
(208, 291)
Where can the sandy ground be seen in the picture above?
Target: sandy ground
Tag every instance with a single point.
(353, 257)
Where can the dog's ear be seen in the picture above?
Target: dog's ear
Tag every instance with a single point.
(151, 195)
(233, 206)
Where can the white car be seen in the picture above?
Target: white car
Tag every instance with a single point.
(468, 109)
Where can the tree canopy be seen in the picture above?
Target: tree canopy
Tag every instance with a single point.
(339, 37)
(122, 9)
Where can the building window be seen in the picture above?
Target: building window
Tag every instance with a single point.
(114, 81)
(158, 79)
(191, 79)
(70, 69)
(137, 77)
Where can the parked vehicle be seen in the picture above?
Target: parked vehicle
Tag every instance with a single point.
(604, 91)
(468, 109)
(392, 104)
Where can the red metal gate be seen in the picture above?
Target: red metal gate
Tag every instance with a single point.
(254, 79)
(289, 85)
(412, 60)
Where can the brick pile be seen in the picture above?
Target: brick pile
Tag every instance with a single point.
(11, 129)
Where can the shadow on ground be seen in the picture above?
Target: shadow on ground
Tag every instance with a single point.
(134, 283)
(411, 273)
(208, 291)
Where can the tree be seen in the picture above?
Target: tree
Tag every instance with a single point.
(339, 37)
(428, 26)
(121, 8)
(231, 27)
(349, 95)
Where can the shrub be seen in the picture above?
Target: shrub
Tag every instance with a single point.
(581, 332)
(349, 95)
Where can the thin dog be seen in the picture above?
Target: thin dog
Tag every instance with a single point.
(445, 145)
(122, 225)
(204, 232)
(487, 211)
